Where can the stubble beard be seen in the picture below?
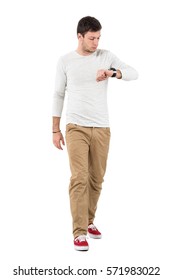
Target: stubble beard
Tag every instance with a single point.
(87, 50)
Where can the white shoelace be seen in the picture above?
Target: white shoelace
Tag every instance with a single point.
(81, 238)
(93, 227)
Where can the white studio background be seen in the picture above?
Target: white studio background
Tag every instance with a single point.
(135, 208)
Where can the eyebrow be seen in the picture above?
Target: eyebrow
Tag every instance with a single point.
(94, 37)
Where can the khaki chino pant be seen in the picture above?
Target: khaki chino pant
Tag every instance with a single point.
(88, 150)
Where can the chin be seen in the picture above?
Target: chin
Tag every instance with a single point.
(93, 50)
(89, 51)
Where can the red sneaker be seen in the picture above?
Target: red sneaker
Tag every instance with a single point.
(94, 232)
(80, 243)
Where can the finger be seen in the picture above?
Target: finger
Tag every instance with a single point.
(101, 79)
(63, 142)
(58, 145)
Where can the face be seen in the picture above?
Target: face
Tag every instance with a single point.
(89, 42)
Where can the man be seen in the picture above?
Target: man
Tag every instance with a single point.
(84, 74)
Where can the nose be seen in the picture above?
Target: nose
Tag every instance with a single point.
(96, 42)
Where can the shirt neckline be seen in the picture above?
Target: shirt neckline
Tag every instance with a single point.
(84, 56)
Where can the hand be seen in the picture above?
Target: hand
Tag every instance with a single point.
(58, 139)
(103, 75)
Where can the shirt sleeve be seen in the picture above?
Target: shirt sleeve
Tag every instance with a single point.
(128, 72)
(60, 87)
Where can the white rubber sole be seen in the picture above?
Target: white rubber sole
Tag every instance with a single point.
(81, 248)
(94, 236)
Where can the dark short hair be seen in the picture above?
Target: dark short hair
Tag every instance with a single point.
(88, 23)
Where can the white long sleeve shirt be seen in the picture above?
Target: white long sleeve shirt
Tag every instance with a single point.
(87, 98)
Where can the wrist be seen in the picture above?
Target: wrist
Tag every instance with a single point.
(56, 131)
(119, 74)
(113, 72)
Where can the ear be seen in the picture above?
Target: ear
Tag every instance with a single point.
(79, 36)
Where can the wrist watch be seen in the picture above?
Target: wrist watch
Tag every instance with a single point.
(115, 72)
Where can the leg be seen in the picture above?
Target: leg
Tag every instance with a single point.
(78, 146)
(98, 154)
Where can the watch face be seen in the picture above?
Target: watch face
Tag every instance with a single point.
(115, 72)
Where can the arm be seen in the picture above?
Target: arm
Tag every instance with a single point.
(58, 102)
(105, 74)
(124, 71)
(58, 138)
